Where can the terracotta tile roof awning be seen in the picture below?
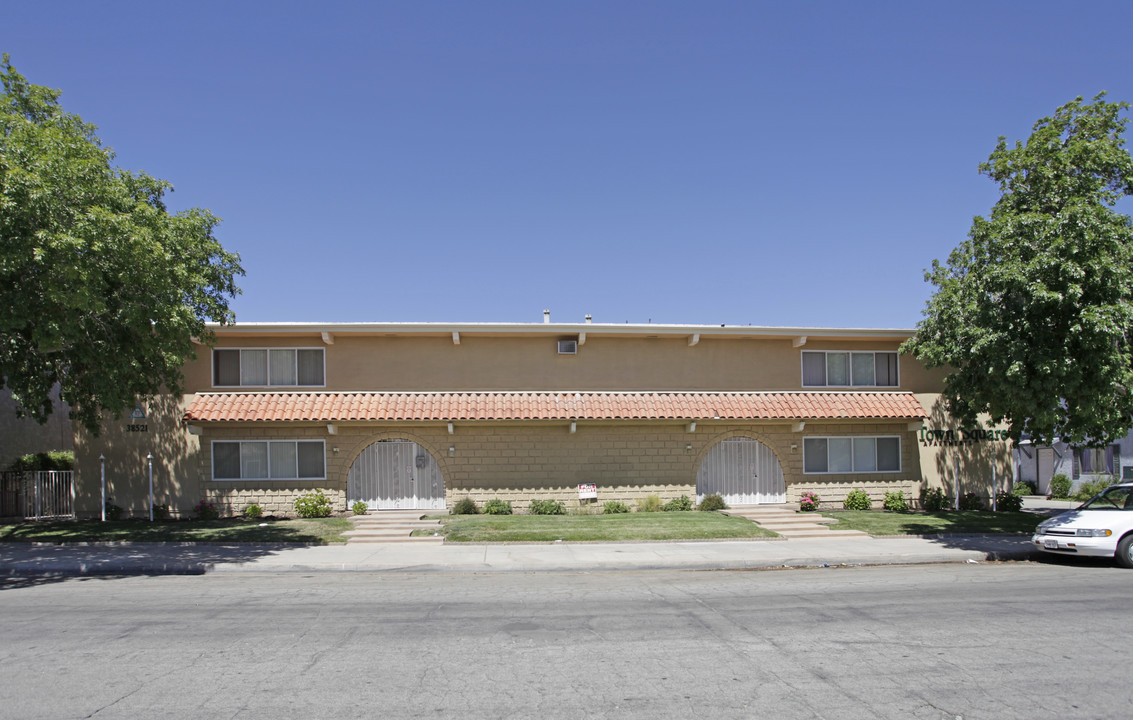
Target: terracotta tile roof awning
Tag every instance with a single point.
(464, 406)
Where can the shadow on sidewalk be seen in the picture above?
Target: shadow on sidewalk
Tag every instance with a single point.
(22, 565)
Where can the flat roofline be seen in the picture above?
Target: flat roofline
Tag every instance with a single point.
(639, 329)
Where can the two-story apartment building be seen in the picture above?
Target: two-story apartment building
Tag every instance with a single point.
(420, 415)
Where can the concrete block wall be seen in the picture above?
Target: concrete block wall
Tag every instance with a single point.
(521, 462)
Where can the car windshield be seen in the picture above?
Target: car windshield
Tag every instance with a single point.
(1112, 498)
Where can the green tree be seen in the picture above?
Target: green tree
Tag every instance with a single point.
(102, 291)
(1032, 313)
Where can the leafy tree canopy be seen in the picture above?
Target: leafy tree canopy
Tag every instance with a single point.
(1032, 313)
(102, 291)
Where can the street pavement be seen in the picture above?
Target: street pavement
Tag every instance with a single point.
(29, 560)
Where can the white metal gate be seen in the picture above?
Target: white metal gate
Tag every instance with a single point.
(743, 471)
(396, 475)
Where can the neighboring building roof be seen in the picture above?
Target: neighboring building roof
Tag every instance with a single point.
(463, 406)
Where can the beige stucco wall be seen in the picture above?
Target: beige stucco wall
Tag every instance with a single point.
(982, 454)
(369, 363)
(177, 480)
(22, 436)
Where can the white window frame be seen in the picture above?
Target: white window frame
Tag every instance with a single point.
(852, 471)
(295, 365)
(295, 442)
(850, 369)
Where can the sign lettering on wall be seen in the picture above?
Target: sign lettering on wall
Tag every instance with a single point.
(935, 437)
(137, 420)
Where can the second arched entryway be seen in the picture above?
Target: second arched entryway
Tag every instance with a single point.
(396, 475)
(743, 471)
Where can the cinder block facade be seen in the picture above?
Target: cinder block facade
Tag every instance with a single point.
(398, 416)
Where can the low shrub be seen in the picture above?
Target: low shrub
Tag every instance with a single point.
(1008, 502)
(713, 502)
(649, 503)
(495, 506)
(895, 501)
(808, 501)
(253, 512)
(546, 507)
(113, 512)
(1090, 488)
(204, 510)
(465, 506)
(1060, 486)
(971, 501)
(680, 504)
(935, 500)
(161, 512)
(614, 507)
(1024, 487)
(857, 499)
(52, 460)
(313, 505)
(359, 508)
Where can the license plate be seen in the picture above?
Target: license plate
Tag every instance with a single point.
(1050, 544)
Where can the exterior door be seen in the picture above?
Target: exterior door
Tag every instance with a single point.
(1044, 469)
(743, 471)
(396, 475)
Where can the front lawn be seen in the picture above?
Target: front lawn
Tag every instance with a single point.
(608, 528)
(320, 531)
(876, 522)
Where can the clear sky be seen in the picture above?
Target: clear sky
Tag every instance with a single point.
(764, 163)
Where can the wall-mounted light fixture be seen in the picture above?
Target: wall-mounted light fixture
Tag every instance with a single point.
(334, 449)
(451, 450)
(688, 448)
(573, 427)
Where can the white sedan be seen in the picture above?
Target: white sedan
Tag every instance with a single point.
(1101, 527)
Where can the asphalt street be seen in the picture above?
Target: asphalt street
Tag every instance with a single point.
(1004, 640)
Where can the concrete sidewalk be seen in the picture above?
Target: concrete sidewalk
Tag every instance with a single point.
(18, 559)
(179, 559)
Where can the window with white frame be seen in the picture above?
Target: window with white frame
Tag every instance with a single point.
(232, 367)
(268, 460)
(851, 454)
(1096, 461)
(844, 368)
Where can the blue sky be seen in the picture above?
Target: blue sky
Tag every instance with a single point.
(765, 163)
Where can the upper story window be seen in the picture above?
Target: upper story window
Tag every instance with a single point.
(839, 368)
(261, 367)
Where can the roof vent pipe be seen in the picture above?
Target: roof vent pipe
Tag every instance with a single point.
(546, 316)
(588, 318)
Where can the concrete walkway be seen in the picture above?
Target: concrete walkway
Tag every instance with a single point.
(17, 559)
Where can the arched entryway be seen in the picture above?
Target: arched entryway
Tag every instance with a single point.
(396, 475)
(743, 471)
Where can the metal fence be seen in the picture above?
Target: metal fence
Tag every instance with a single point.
(38, 495)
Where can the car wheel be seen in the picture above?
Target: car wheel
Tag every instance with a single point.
(1125, 551)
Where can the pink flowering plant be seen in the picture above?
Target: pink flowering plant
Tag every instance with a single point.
(808, 501)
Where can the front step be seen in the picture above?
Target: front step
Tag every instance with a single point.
(392, 526)
(783, 519)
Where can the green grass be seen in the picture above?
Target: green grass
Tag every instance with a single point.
(319, 531)
(609, 528)
(876, 522)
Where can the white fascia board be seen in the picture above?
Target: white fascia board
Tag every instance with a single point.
(549, 329)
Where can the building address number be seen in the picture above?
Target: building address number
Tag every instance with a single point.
(137, 428)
